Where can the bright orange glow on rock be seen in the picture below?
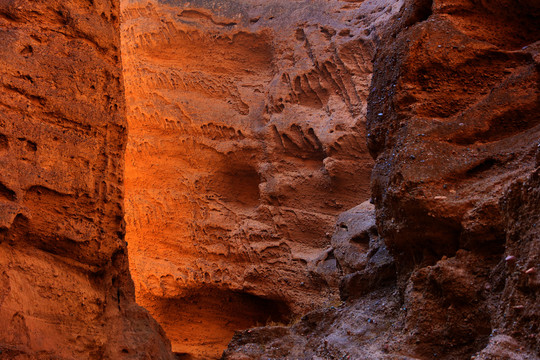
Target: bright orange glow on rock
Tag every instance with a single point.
(243, 147)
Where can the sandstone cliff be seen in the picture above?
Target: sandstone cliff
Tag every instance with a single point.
(252, 129)
(65, 288)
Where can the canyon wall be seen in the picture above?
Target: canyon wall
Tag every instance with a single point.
(453, 122)
(247, 179)
(456, 144)
(246, 140)
(65, 288)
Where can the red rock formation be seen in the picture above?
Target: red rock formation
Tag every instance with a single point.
(454, 125)
(246, 140)
(246, 144)
(65, 289)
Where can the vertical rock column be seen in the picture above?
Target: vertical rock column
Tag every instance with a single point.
(65, 288)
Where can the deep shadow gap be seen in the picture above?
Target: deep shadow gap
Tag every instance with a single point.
(202, 324)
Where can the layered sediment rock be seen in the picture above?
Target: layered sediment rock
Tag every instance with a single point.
(65, 288)
(246, 140)
(454, 125)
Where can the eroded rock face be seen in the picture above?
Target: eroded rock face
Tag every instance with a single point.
(65, 288)
(246, 140)
(454, 125)
(366, 324)
(246, 143)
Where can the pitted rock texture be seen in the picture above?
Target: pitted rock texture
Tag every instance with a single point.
(358, 259)
(246, 140)
(65, 288)
(454, 125)
(364, 325)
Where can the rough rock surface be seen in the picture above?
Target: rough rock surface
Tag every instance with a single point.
(65, 288)
(247, 138)
(454, 125)
(246, 146)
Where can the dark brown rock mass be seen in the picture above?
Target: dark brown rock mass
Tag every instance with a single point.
(65, 288)
(455, 127)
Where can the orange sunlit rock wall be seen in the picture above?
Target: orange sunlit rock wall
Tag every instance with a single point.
(246, 139)
(65, 289)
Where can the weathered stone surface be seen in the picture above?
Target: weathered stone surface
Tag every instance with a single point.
(358, 260)
(364, 329)
(246, 140)
(504, 347)
(246, 145)
(355, 232)
(65, 289)
(518, 312)
(454, 125)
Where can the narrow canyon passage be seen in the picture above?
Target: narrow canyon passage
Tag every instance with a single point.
(246, 139)
(246, 188)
